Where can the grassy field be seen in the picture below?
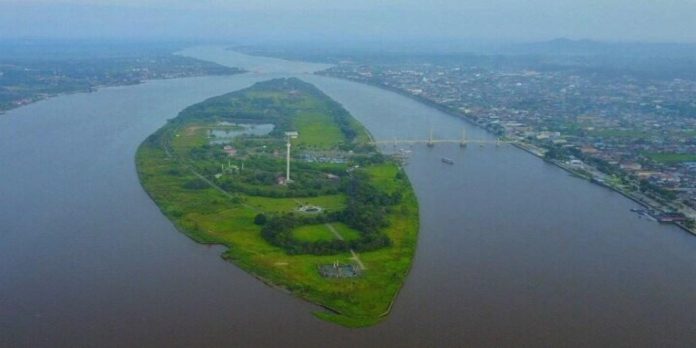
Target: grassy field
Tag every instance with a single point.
(313, 233)
(321, 232)
(316, 130)
(331, 203)
(619, 133)
(383, 175)
(169, 169)
(345, 231)
(663, 157)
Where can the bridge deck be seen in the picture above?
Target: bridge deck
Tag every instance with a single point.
(438, 141)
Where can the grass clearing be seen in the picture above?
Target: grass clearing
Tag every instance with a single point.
(620, 133)
(313, 233)
(346, 232)
(329, 202)
(321, 232)
(671, 157)
(317, 130)
(383, 175)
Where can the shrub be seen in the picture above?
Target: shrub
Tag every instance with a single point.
(260, 219)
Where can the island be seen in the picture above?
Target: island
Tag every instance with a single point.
(294, 187)
(27, 80)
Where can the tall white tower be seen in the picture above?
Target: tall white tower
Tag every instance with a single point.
(290, 136)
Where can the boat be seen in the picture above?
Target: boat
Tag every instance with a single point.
(447, 160)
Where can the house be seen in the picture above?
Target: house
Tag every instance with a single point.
(588, 150)
(631, 166)
(671, 217)
(231, 151)
(577, 164)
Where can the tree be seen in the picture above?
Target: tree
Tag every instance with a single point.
(260, 219)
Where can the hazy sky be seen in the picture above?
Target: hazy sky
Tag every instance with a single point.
(354, 20)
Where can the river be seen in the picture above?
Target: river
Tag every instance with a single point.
(512, 251)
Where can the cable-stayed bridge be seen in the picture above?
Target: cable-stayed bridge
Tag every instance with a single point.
(431, 141)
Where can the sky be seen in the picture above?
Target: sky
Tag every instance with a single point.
(351, 20)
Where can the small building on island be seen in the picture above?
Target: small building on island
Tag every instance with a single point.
(338, 270)
(231, 151)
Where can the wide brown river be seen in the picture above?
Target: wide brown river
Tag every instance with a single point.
(512, 251)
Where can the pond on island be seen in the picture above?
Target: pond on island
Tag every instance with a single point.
(225, 132)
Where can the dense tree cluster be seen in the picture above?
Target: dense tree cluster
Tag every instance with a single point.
(196, 184)
(365, 212)
(261, 176)
(367, 206)
(647, 186)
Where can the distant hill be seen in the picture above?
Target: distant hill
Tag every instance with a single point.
(44, 49)
(606, 59)
(564, 46)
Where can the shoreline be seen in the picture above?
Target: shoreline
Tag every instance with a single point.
(99, 87)
(226, 257)
(609, 187)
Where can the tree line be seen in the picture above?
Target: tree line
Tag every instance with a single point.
(366, 212)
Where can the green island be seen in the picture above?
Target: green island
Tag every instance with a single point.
(339, 231)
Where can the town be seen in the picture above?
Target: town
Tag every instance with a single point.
(631, 132)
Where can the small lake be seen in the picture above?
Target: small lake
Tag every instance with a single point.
(226, 132)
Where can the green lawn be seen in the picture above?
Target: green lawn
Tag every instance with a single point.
(313, 233)
(317, 130)
(188, 137)
(383, 175)
(618, 133)
(320, 232)
(667, 157)
(331, 203)
(346, 232)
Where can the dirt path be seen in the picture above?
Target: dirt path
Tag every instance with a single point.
(333, 230)
(355, 257)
